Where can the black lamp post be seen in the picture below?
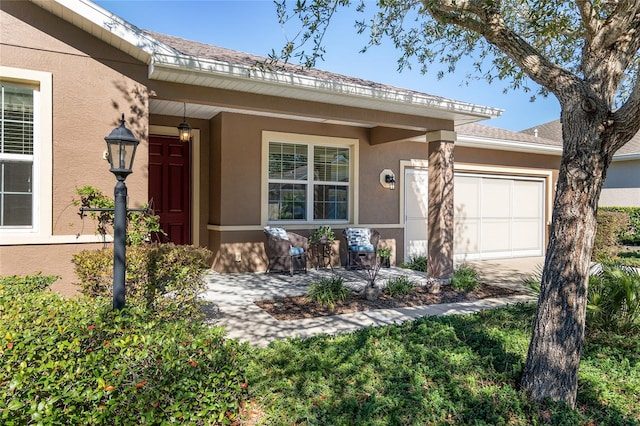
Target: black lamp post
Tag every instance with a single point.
(121, 145)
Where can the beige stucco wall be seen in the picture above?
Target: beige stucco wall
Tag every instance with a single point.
(238, 184)
(85, 110)
(94, 83)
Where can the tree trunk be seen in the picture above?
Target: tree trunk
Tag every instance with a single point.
(551, 370)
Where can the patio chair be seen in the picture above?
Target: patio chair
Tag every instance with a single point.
(362, 247)
(286, 251)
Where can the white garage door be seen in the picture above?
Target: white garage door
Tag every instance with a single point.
(498, 217)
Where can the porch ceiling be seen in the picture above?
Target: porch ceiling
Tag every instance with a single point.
(207, 112)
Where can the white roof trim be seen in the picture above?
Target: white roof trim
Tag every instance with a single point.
(105, 25)
(173, 67)
(507, 145)
(113, 30)
(627, 157)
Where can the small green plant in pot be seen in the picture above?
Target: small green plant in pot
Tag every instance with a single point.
(385, 257)
(322, 235)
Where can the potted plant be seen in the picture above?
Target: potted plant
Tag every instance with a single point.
(322, 235)
(385, 257)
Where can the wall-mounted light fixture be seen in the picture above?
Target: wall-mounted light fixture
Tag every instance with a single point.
(388, 179)
(184, 130)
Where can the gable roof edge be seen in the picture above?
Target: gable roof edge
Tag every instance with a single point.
(107, 27)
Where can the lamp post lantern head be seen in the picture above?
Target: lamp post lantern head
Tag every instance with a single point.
(121, 146)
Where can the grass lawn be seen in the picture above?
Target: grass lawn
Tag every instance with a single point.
(77, 362)
(449, 370)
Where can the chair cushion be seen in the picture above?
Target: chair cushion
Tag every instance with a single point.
(296, 251)
(277, 232)
(366, 247)
(359, 236)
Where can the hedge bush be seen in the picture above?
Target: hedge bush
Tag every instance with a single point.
(76, 361)
(631, 235)
(611, 225)
(161, 277)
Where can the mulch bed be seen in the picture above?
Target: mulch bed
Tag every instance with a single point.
(298, 307)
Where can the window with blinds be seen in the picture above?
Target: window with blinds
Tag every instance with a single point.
(16, 155)
(308, 182)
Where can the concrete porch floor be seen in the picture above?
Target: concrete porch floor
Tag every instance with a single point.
(231, 300)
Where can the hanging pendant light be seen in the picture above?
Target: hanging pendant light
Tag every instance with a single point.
(184, 130)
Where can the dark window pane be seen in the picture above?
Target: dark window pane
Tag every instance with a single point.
(16, 177)
(17, 210)
(287, 201)
(331, 202)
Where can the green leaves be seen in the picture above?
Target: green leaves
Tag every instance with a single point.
(329, 291)
(86, 364)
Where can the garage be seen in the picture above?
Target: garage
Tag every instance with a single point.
(498, 216)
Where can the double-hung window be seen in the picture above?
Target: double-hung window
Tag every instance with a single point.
(309, 182)
(16, 155)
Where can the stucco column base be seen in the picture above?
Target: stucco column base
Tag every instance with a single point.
(441, 205)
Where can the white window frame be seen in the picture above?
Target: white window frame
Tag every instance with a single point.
(310, 141)
(41, 228)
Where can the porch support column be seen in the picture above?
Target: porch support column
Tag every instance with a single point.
(440, 225)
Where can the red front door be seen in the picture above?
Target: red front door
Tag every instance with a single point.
(170, 186)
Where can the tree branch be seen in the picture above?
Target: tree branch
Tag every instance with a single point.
(626, 120)
(490, 24)
(589, 18)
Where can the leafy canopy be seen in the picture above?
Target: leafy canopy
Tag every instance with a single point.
(422, 33)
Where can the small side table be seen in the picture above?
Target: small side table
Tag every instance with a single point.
(323, 252)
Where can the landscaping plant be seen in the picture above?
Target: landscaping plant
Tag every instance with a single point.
(76, 361)
(141, 225)
(329, 291)
(418, 263)
(614, 300)
(166, 278)
(465, 278)
(399, 286)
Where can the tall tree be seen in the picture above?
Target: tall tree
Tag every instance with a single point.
(586, 54)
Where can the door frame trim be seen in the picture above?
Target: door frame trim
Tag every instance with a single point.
(404, 165)
(194, 182)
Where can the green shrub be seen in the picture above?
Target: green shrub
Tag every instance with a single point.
(16, 285)
(141, 224)
(329, 291)
(614, 300)
(418, 263)
(628, 258)
(76, 361)
(631, 235)
(465, 278)
(611, 225)
(398, 286)
(162, 277)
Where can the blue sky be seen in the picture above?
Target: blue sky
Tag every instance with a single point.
(252, 27)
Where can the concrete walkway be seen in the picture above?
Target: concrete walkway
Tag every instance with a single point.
(232, 298)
